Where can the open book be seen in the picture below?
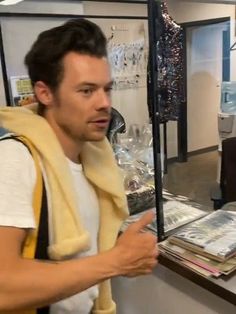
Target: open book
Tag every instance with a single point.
(213, 236)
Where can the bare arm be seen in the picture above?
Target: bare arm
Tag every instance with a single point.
(34, 283)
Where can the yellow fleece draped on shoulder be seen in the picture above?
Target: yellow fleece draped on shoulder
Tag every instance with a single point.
(99, 165)
(68, 234)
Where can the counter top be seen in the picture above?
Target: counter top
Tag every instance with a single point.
(224, 287)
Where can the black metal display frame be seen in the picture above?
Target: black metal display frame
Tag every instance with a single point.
(155, 28)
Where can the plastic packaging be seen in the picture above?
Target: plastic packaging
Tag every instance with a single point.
(117, 125)
(228, 97)
(134, 155)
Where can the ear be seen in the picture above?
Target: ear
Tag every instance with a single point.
(43, 93)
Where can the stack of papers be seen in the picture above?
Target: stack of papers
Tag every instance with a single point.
(201, 241)
(213, 236)
(206, 246)
(196, 262)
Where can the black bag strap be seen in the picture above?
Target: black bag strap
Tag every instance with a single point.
(43, 237)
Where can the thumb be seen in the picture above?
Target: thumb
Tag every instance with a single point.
(146, 219)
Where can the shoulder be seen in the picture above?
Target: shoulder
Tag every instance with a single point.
(17, 181)
(15, 156)
(13, 148)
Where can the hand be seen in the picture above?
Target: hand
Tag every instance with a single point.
(136, 250)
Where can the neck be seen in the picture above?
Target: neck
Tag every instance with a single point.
(71, 147)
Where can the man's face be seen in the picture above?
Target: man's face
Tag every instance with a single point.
(81, 106)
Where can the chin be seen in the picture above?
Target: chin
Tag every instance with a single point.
(96, 138)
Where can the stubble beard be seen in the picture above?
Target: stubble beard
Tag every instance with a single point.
(84, 137)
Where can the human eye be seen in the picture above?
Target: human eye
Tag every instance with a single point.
(108, 90)
(87, 91)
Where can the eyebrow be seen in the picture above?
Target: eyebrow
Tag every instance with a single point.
(109, 84)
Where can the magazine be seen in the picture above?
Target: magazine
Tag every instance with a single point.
(213, 236)
(195, 268)
(215, 268)
(176, 214)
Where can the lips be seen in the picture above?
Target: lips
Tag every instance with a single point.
(101, 123)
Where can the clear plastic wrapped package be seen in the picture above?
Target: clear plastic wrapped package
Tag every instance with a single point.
(117, 125)
(141, 199)
(228, 97)
(136, 159)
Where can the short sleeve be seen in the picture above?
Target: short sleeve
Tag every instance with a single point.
(17, 182)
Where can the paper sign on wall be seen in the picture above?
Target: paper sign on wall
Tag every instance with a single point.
(21, 91)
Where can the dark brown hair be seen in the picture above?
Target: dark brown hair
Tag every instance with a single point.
(44, 60)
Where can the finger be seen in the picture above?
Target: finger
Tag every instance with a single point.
(149, 268)
(155, 253)
(145, 220)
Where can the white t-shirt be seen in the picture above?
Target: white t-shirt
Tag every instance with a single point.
(17, 180)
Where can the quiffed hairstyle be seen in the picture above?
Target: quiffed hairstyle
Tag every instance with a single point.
(44, 60)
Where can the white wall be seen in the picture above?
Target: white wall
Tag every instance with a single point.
(183, 11)
(204, 55)
(23, 33)
(106, 8)
(37, 6)
(16, 51)
(131, 103)
(2, 93)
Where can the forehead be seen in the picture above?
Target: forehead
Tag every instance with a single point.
(86, 68)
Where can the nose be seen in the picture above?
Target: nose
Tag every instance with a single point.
(104, 100)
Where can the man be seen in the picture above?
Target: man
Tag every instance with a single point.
(85, 199)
